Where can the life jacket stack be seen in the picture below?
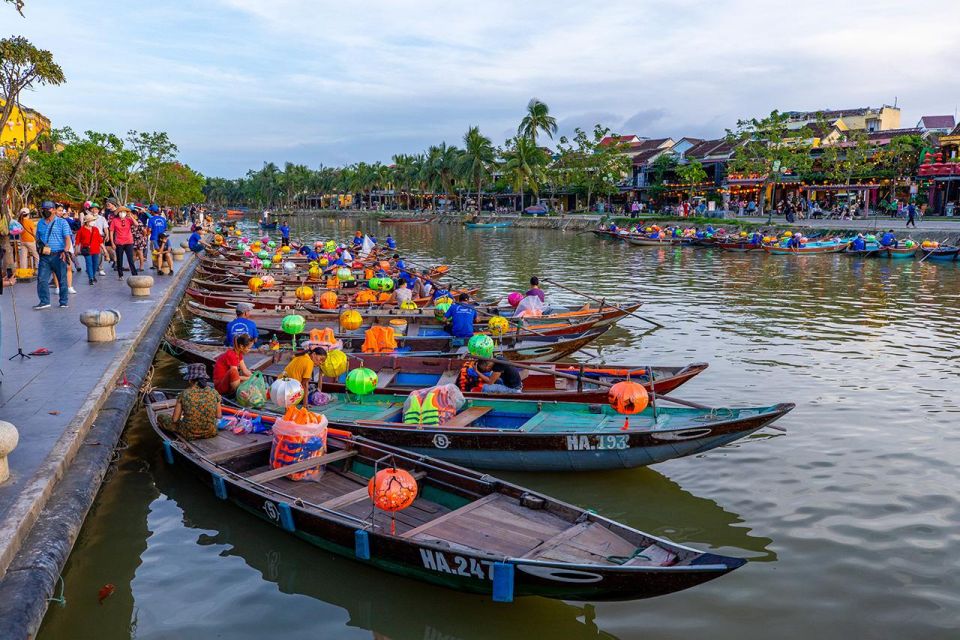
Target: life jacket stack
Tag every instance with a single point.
(433, 406)
(379, 339)
(299, 435)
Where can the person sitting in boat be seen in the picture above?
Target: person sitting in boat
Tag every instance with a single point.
(795, 242)
(889, 239)
(756, 238)
(859, 244)
(357, 239)
(613, 227)
(198, 407)
(462, 317)
(439, 291)
(241, 325)
(229, 370)
(406, 277)
(402, 293)
(398, 262)
(535, 289)
(300, 368)
(391, 243)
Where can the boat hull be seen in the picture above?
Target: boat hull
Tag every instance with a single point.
(808, 250)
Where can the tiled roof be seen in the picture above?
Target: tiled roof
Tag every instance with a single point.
(938, 122)
(719, 148)
(829, 114)
(630, 140)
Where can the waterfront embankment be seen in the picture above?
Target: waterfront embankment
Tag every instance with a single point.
(70, 407)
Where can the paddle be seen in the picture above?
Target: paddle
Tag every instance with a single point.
(519, 324)
(930, 253)
(599, 383)
(602, 302)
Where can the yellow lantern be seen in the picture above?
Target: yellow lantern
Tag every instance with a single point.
(409, 305)
(324, 262)
(285, 249)
(498, 325)
(255, 284)
(278, 257)
(304, 293)
(314, 273)
(335, 364)
(351, 320)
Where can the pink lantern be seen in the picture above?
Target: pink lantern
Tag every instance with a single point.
(514, 298)
(256, 263)
(247, 253)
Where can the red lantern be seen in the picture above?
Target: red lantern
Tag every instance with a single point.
(392, 489)
(628, 397)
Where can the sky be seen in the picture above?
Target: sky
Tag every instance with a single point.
(239, 82)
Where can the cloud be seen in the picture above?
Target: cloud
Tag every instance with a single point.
(237, 82)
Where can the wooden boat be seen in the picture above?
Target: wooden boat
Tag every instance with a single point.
(268, 322)
(487, 225)
(940, 254)
(809, 248)
(235, 213)
(268, 226)
(643, 241)
(530, 435)
(465, 530)
(871, 249)
(738, 246)
(281, 299)
(897, 252)
(404, 220)
(403, 374)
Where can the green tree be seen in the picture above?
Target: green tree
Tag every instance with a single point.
(179, 185)
(592, 167)
(901, 158)
(767, 148)
(537, 118)
(852, 157)
(153, 150)
(691, 174)
(661, 169)
(524, 164)
(22, 66)
(477, 159)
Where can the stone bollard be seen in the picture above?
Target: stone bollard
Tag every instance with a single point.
(101, 324)
(184, 245)
(8, 442)
(178, 255)
(140, 285)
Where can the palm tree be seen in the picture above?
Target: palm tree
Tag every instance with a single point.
(538, 118)
(524, 165)
(476, 159)
(441, 167)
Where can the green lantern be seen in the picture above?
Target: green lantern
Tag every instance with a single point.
(267, 264)
(361, 381)
(271, 244)
(263, 255)
(293, 324)
(481, 346)
(441, 310)
(344, 273)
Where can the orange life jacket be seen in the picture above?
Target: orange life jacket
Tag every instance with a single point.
(379, 339)
(465, 382)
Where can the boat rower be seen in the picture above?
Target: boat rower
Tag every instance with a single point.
(889, 239)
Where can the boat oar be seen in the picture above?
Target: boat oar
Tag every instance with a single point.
(599, 383)
(602, 303)
(519, 324)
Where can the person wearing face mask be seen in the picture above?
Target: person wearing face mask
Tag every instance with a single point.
(121, 234)
(55, 246)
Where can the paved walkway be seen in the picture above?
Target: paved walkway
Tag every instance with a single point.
(53, 399)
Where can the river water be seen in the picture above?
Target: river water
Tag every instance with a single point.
(851, 519)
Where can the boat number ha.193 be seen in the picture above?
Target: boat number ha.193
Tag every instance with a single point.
(456, 565)
(610, 442)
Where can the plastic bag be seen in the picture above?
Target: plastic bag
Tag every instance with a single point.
(253, 392)
(529, 307)
(299, 435)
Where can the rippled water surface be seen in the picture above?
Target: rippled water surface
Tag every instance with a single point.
(851, 518)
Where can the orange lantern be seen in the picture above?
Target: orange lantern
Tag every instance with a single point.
(366, 296)
(628, 397)
(351, 320)
(385, 297)
(328, 300)
(268, 282)
(255, 284)
(304, 293)
(385, 265)
(392, 490)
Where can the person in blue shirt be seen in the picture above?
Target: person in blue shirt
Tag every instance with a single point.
(391, 243)
(303, 250)
(859, 244)
(406, 277)
(285, 235)
(196, 242)
(439, 291)
(162, 254)
(55, 254)
(756, 238)
(241, 325)
(358, 239)
(401, 265)
(462, 318)
(795, 241)
(888, 239)
(912, 215)
(157, 225)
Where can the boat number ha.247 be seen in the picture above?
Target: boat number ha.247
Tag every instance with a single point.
(598, 443)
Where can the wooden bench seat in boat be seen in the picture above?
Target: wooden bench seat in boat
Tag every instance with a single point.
(467, 416)
(495, 523)
(303, 465)
(385, 378)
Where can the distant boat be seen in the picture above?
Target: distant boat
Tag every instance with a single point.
(268, 226)
(809, 248)
(488, 225)
(404, 220)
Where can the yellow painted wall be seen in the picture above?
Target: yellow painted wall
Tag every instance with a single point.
(889, 119)
(13, 133)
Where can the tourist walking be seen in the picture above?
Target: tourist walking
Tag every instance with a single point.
(101, 224)
(121, 235)
(912, 215)
(29, 258)
(55, 246)
(89, 242)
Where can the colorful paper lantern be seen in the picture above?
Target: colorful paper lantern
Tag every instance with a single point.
(293, 324)
(255, 284)
(286, 392)
(361, 381)
(392, 489)
(481, 346)
(328, 300)
(498, 325)
(304, 293)
(351, 320)
(335, 364)
(628, 397)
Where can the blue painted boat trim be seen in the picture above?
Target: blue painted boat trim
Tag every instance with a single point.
(286, 517)
(503, 582)
(361, 544)
(219, 486)
(167, 452)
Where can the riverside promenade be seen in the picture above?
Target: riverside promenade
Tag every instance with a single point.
(67, 406)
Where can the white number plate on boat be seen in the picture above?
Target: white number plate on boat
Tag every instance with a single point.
(598, 443)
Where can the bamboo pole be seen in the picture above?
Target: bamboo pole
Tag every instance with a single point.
(589, 297)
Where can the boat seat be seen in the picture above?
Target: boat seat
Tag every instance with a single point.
(468, 416)
(449, 377)
(385, 377)
(652, 556)
(303, 465)
(363, 493)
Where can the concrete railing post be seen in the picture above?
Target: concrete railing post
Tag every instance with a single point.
(140, 285)
(178, 254)
(101, 324)
(8, 442)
